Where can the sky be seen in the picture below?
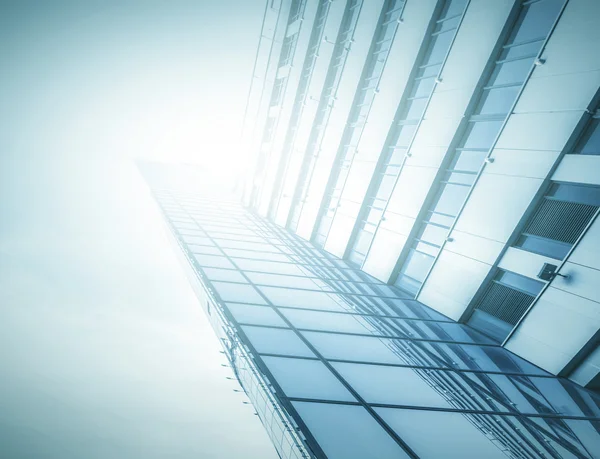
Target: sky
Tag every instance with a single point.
(104, 351)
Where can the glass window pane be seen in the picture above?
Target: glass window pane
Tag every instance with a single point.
(433, 234)
(526, 50)
(576, 193)
(239, 293)
(455, 435)
(255, 315)
(451, 198)
(511, 72)
(307, 379)
(213, 261)
(347, 347)
(276, 341)
(543, 246)
(392, 385)
(481, 135)
(417, 265)
(217, 274)
(497, 101)
(526, 284)
(536, 20)
(313, 320)
(589, 144)
(304, 299)
(348, 432)
(438, 48)
(468, 160)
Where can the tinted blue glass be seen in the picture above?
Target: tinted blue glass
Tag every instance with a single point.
(346, 347)
(212, 261)
(255, 315)
(453, 432)
(240, 293)
(511, 72)
(543, 246)
(590, 142)
(497, 101)
(276, 341)
(313, 320)
(417, 265)
(392, 385)
(307, 379)
(303, 299)
(523, 283)
(451, 198)
(481, 134)
(576, 193)
(217, 274)
(348, 432)
(536, 20)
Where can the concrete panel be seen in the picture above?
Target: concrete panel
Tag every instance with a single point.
(475, 247)
(573, 47)
(525, 263)
(587, 252)
(452, 283)
(531, 163)
(538, 131)
(496, 206)
(582, 281)
(557, 327)
(578, 169)
(572, 91)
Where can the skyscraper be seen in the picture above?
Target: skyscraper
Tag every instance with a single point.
(412, 270)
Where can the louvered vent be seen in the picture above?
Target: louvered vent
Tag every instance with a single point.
(560, 220)
(505, 303)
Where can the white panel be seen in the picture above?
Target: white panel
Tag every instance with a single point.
(560, 92)
(582, 281)
(587, 252)
(473, 246)
(452, 284)
(536, 164)
(578, 169)
(525, 263)
(427, 156)
(556, 328)
(496, 205)
(538, 131)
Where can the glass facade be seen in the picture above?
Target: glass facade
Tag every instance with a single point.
(342, 366)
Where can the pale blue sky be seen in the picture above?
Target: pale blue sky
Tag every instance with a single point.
(103, 351)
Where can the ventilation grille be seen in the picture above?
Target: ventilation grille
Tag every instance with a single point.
(560, 220)
(504, 302)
